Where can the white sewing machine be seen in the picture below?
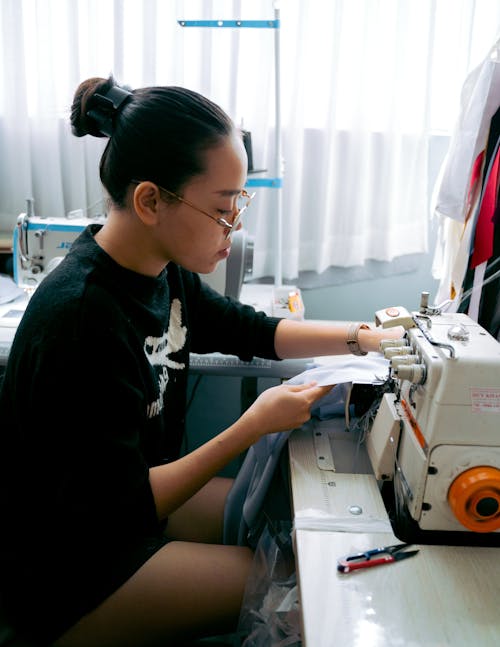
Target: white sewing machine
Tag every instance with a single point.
(39, 244)
(437, 434)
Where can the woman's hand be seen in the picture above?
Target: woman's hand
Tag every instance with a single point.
(283, 407)
(369, 338)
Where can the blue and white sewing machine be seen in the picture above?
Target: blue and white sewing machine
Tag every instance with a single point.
(40, 243)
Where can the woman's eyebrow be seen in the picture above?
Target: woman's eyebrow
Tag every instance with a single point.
(228, 192)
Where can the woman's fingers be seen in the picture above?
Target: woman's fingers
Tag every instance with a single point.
(286, 406)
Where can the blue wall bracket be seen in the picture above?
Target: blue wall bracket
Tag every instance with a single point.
(272, 182)
(255, 24)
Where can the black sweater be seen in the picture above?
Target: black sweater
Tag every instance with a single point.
(93, 396)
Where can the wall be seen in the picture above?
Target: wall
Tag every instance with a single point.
(359, 300)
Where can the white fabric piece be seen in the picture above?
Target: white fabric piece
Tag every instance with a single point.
(368, 369)
(317, 520)
(451, 260)
(477, 286)
(9, 291)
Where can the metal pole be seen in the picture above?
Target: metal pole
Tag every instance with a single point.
(278, 166)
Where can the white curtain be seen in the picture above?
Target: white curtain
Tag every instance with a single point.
(364, 85)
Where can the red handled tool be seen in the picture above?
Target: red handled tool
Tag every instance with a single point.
(374, 557)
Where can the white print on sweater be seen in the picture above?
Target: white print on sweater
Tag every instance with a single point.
(158, 349)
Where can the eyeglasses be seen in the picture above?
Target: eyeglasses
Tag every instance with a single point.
(243, 201)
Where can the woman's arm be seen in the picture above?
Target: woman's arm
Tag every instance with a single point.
(310, 339)
(278, 408)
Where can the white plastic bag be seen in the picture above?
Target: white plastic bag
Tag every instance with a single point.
(270, 613)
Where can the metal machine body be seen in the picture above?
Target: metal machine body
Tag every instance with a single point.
(437, 434)
(39, 244)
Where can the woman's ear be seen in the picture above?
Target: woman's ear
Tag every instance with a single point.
(147, 202)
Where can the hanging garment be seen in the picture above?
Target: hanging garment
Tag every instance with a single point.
(456, 187)
(455, 237)
(489, 311)
(482, 240)
(479, 102)
(483, 232)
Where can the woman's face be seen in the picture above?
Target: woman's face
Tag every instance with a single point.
(191, 238)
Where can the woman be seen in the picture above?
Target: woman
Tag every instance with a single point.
(110, 538)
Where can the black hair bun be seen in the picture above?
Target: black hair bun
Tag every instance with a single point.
(81, 122)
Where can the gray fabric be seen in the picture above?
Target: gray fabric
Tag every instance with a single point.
(261, 485)
(242, 514)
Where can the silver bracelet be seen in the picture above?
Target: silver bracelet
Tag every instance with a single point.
(352, 338)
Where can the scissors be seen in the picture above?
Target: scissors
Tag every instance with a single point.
(387, 555)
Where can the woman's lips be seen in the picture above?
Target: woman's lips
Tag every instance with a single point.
(224, 253)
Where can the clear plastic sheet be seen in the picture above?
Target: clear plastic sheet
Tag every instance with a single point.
(270, 613)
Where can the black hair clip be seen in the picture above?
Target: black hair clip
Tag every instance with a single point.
(107, 105)
(114, 96)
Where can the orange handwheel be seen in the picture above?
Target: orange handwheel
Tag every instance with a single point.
(474, 497)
